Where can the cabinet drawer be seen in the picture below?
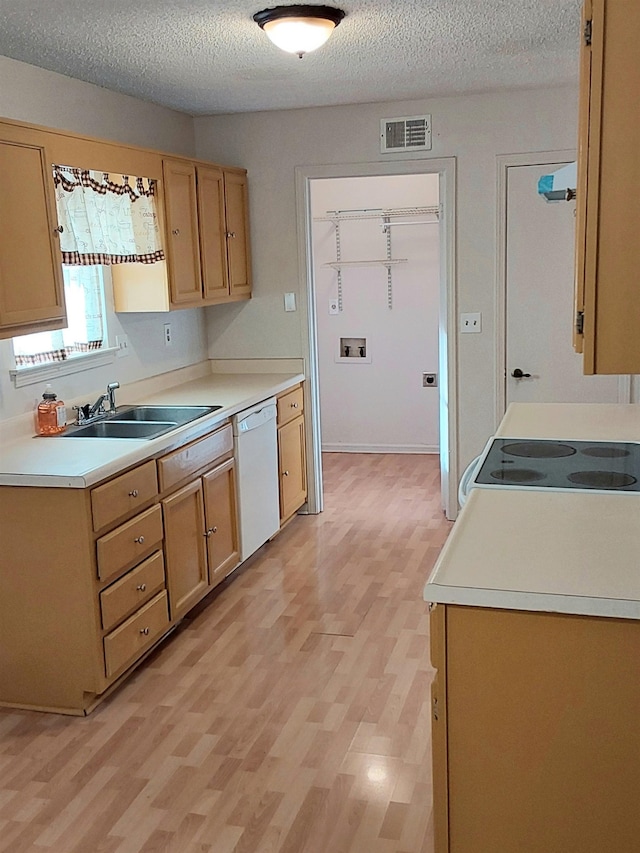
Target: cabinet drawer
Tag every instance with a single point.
(290, 405)
(130, 543)
(136, 635)
(119, 497)
(177, 466)
(131, 591)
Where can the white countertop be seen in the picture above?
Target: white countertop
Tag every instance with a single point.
(59, 461)
(550, 551)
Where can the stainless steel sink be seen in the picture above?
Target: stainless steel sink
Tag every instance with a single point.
(141, 422)
(121, 429)
(177, 414)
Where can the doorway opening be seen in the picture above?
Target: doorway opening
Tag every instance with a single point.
(379, 303)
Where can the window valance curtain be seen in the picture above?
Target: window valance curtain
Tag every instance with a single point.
(106, 219)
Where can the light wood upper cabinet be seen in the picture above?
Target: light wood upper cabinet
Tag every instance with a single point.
(237, 234)
(206, 215)
(608, 213)
(213, 248)
(31, 288)
(182, 247)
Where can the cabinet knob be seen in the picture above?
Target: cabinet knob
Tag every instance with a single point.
(210, 531)
(175, 232)
(294, 405)
(139, 540)
(231, 233)
(285, 473)
(141, 587)
(133, 493)
(58, 230)
(144, 631)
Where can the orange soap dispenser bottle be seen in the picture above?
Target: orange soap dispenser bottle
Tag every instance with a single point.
(51, 414)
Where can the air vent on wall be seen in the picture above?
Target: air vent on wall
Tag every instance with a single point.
(405, 133)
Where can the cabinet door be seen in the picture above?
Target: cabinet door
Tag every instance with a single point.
(185, 549)
(183, 250)
(221, 521)
(211, 221)
(609, 214)
(237, 219)
(31, 289)
(291, 459)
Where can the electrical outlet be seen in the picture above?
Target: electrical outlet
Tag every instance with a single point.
(122, 342)
(471, 323)
(334, 308)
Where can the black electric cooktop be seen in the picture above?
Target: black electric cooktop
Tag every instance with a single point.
(580, 465)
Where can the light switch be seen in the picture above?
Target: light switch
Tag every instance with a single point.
(471, 323)
(289, 302)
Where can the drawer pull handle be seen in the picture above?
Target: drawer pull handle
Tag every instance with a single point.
(175, 232)
(144, 631)
(294, 405)
(210, 531)
(133, 493)
(141, 587)
(231, 233)
(285, 473)
(139, 540)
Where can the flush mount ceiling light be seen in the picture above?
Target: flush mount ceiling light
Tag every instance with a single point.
(299, 29)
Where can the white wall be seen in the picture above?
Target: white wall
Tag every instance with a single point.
(474, 129)
(378, 405)
(42, 97)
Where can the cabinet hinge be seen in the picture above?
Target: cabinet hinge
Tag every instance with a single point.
(587, 33)
(580, 322)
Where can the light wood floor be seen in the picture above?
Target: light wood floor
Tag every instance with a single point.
(289, 715)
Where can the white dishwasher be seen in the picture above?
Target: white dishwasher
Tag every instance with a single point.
(256, 450)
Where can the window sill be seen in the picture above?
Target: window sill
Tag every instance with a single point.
(33, 374)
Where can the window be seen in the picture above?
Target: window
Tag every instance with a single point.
(86, 332)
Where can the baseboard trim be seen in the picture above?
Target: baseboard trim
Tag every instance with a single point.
(380, 448)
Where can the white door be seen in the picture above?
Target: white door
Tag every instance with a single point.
(539, 297)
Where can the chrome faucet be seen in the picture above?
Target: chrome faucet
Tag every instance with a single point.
(87, 413)
(112, 387)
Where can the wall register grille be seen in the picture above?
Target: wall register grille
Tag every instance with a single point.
(405, 133)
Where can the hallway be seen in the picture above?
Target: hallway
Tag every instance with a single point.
(289, 714)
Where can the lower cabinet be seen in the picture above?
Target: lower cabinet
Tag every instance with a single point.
(221, 521)
(185, 548)
(201, 536)
(535, 731)
(293, 477)
(92, 579)
(291, 452)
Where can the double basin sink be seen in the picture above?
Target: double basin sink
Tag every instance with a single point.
(140, 422)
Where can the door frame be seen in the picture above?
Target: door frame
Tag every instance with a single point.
(445, 167)
(504, 163)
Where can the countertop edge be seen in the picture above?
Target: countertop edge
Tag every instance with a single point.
(532, 602)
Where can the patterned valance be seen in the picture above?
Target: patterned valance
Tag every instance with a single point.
(106, 219)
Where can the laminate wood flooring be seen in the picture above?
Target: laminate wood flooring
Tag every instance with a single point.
(289, 714)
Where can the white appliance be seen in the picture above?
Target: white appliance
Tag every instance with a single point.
(559, 465)
(466, 481)
(256, 450)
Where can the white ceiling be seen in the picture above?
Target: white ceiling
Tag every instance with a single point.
(208, 56)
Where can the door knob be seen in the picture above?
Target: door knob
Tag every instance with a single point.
(518, 374)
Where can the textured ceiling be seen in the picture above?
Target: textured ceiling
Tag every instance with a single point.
(208, 56)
